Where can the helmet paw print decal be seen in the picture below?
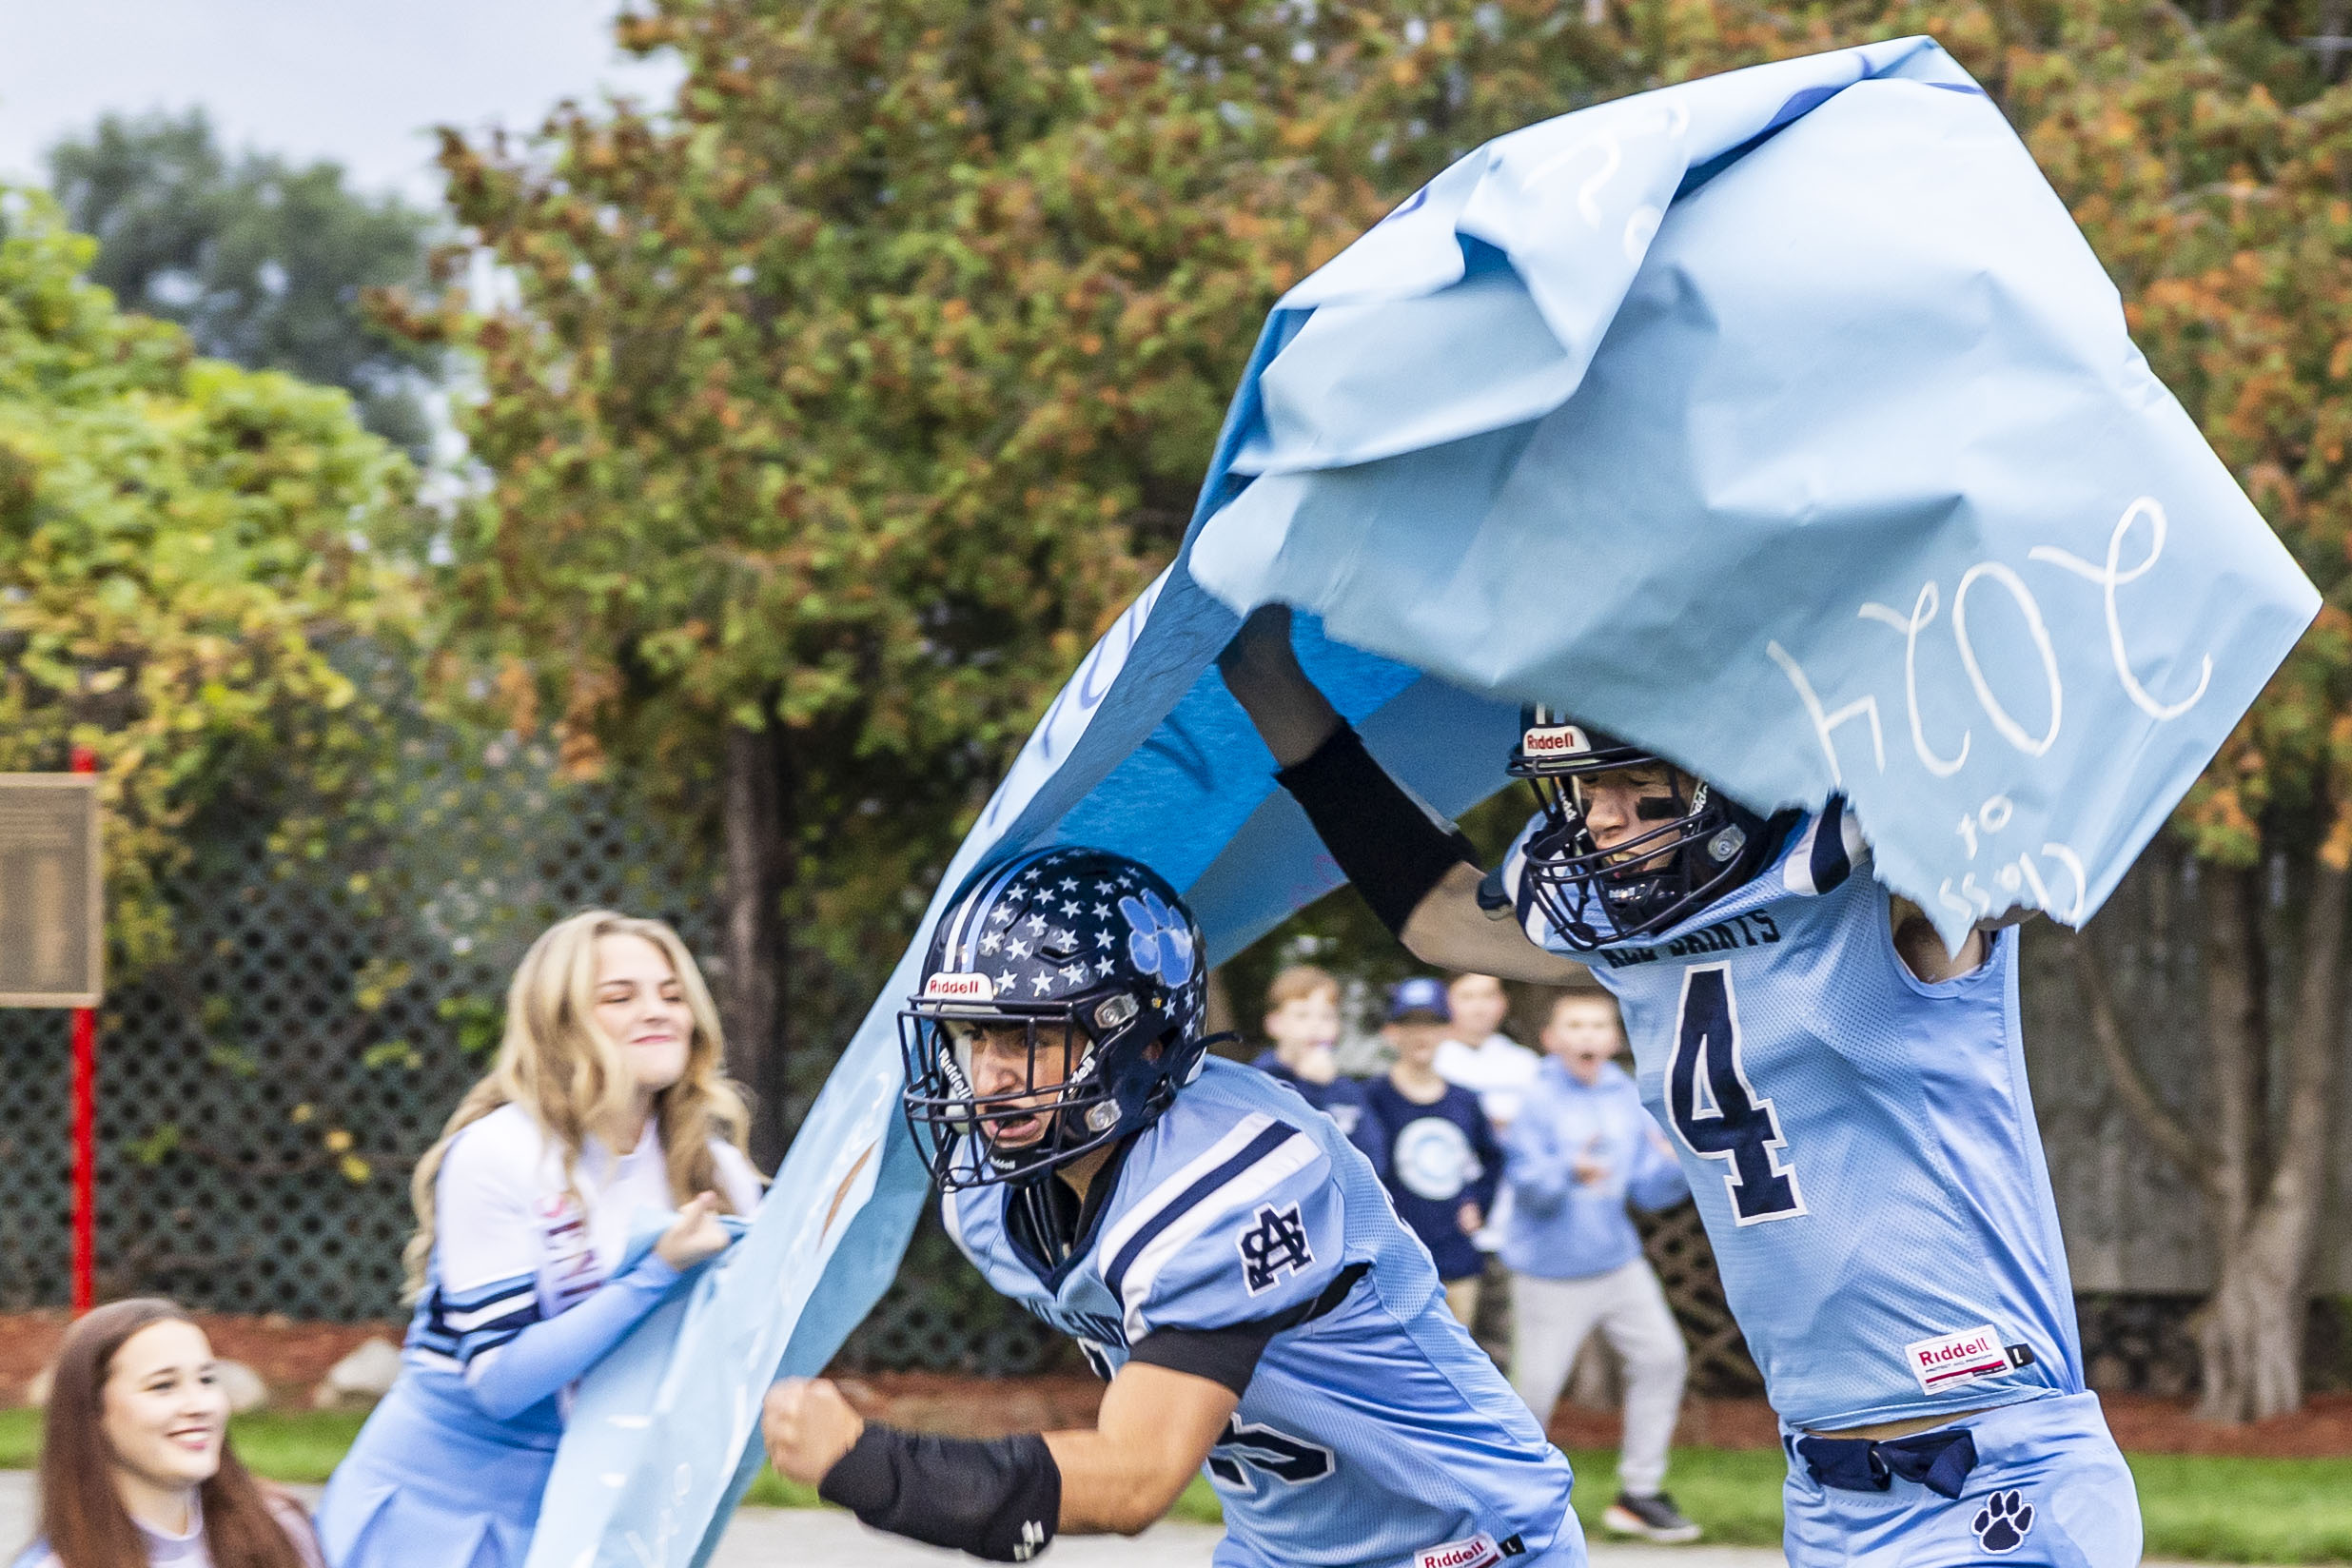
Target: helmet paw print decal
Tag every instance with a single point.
(1159, 939)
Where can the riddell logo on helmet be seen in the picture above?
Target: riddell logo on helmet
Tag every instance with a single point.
(958, 988)
(1555, 740)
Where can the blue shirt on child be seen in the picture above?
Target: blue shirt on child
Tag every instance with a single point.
(1561, 1229)
(1433, 1159)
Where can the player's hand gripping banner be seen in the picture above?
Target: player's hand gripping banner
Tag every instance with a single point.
(1781, 421)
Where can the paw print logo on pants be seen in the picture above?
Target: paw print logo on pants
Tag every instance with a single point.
(2005, 1521)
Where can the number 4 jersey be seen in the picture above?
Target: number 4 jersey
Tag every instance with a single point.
(1372, 1431)
(1860, 1144)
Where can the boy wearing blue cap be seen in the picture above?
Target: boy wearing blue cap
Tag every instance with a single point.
(1431, 1144)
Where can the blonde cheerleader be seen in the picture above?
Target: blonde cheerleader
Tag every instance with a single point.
(605, 1123)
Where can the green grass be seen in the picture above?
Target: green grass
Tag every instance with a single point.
(20, 1439)
(1733, 1492)
(291, 1445)
(294, 1445)
(769, 1490)
(2202, 1508)
(2234, 1510)
(1198, 1504)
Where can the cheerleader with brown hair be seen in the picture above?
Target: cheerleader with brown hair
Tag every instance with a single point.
(136, 1467)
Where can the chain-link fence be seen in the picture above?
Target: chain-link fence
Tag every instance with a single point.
(262, 1098)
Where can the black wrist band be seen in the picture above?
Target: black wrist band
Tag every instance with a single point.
(1000, 1499)
(1390, 844)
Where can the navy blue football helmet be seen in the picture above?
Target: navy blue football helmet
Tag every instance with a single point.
(1098, 962)
(1705, 843)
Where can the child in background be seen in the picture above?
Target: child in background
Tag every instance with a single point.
(1581, 1149)
(1302, 1020)
(1479, 1056)
(1431, 1143)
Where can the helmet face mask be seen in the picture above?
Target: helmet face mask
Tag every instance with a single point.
(1058, 1107)
(1703, 844)
(1058, 1014)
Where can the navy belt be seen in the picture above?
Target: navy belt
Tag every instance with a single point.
(1939, 1461)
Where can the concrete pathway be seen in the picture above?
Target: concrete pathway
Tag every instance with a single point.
(764, 1536)
(771, 1537)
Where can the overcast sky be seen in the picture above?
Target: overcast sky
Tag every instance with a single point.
(358, 81)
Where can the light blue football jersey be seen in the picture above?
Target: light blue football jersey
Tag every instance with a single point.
(1861, 1144)
(1374, 1432)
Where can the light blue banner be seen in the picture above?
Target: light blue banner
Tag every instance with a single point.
(1780, 421)
(1783, 422)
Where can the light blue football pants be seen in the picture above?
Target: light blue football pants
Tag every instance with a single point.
(2049, 1490)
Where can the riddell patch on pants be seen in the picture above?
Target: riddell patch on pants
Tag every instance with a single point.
(1957, 1359)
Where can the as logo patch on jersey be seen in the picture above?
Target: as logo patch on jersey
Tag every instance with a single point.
(1957, 1359)
(1479, 1551)
(1274, 1245)
(959, 987)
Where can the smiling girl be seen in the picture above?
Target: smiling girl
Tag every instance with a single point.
(136, 1471)
(571, 1191)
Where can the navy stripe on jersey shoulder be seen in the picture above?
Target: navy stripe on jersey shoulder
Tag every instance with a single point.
(1273, 1137)
(1829, 864)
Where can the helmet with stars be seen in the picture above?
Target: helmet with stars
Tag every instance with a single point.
(1081, 969)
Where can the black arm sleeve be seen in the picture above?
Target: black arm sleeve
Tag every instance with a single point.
(1000, 1500)
(1229, 1356)
(1393, 848)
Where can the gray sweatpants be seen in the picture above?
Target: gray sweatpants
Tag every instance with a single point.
(1550, 1322)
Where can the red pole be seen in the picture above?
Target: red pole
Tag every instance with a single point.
(85, 1129)
(84, 1160)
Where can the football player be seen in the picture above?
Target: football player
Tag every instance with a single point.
(1226, 1259)
(1848, 1098)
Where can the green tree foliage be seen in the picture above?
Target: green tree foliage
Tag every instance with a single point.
(264, 262)
(846, 406)
(863, 390)
(180, 544)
